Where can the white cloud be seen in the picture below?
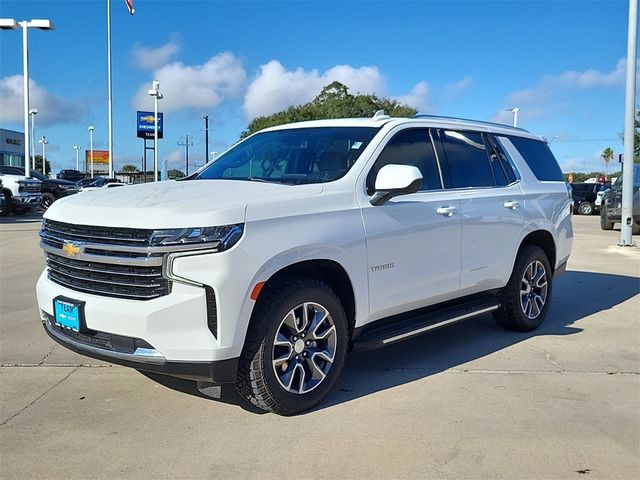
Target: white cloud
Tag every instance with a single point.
(149, 58)
(51, 108)
(454, 90)
(418, 98)
(275, 88)
(195, 86)
(550, 87)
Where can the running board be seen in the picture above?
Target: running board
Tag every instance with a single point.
(396, 331)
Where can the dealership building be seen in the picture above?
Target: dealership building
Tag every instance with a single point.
(11, 148)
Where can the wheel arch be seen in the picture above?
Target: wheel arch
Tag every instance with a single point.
(327, 271)
(544, 240)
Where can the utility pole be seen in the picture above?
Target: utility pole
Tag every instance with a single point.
(186, 144)
(206, 137)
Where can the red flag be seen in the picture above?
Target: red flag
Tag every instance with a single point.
(129, 4)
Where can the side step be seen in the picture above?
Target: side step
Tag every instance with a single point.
(427, 321)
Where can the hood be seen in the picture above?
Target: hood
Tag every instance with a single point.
(171, 204)
(55, 181)
(18, 178)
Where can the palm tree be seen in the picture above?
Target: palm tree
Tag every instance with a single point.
(607, 156)
(129, 169)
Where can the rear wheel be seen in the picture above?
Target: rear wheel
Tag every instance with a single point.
(586, 208)
(525, 299)
(605, 223)
(295, 347)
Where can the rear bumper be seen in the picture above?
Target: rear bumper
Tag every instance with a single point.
(127, 352)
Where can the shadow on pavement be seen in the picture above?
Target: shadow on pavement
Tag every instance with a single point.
(33, 217)
(373, 371)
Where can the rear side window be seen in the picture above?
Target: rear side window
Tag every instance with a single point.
(539, 158)
(468, 160)
(409, 147)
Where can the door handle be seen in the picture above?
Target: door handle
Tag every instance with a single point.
(512, 204)
(446, 211)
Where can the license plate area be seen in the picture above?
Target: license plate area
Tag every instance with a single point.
(69, 314)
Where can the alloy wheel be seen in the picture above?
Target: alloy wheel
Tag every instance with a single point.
(533, 289)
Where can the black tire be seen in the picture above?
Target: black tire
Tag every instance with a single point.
(8, 204)
(21, 210)
(605, 224)
(47, 200)
(257, 380)
(586, 208)
(512, 315)
(635, 228)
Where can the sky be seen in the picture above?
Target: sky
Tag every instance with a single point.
(562, 63)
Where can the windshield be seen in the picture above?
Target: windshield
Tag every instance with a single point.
(38, 175)
(295, 156)
(636, 177)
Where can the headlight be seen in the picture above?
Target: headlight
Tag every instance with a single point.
(22, 185)
(223, 237)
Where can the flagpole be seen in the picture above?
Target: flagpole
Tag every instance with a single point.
(110, 108)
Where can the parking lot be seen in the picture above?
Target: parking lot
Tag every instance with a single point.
(470, 401)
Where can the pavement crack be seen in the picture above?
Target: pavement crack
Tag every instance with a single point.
(38, 398)
(44, 359)
(547, 357)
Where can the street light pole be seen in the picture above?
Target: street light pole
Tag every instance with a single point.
(33, 113)
(77, 149)
(155, 93)
(109, 94)
(44, 143)
(206, 137)
(91, 147)
(12, 24)
(626, 218)
(515, 111)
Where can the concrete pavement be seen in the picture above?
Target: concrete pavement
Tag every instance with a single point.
(470, 401)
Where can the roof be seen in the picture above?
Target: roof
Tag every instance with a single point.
(379, 120)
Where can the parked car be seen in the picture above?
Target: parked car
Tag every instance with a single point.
(611, 208)
(51, 189)
(303, 240)
(20, 193)
(70, 175)
(102, 183)
(585, 195)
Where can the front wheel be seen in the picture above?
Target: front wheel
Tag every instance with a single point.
(295, 348)
(47, 200)
(526, 297)
(586, 208)
(605, 224)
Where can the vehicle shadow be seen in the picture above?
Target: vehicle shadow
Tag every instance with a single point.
(33, 217)
(369, 372)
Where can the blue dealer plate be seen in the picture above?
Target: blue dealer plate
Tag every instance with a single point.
(67, 314)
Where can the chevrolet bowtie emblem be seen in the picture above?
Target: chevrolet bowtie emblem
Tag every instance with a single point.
(71, 249)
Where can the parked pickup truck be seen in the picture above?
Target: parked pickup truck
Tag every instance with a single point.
(304, 240)
(20, 193)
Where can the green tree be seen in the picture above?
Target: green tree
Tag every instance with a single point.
(129, 169)
(607, 156)
(334, 101)
(636, 138)
(39, 165)
(173, 174)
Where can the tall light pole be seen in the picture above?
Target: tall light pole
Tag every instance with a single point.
(109, 106)
(44, 143)
(626, 219)
(77, 149)
(91, 147)
(33, 113)
(155, 93)
(12, 24)
(206, 137)
(515, 111)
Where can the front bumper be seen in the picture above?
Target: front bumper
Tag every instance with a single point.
(27, 199)
(132, 352)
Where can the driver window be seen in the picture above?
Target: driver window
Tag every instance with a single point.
(409, 147)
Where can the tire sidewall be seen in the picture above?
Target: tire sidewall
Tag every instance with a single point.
(530, 255)
(585, 205)
(326, 298)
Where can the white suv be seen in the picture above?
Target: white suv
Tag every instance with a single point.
(264, 267)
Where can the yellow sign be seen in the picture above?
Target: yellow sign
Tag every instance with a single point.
(70, 249)
(100, 157)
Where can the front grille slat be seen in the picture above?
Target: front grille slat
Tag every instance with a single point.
(120, 272)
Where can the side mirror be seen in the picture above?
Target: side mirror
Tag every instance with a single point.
(394, 180)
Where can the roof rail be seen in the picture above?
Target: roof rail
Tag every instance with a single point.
(455, 119)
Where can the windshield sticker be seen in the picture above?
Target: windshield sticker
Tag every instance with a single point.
(356, 145)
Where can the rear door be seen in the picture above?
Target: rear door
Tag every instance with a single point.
(491, 203)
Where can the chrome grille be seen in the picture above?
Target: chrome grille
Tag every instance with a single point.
(125, 281)
(115, 262)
